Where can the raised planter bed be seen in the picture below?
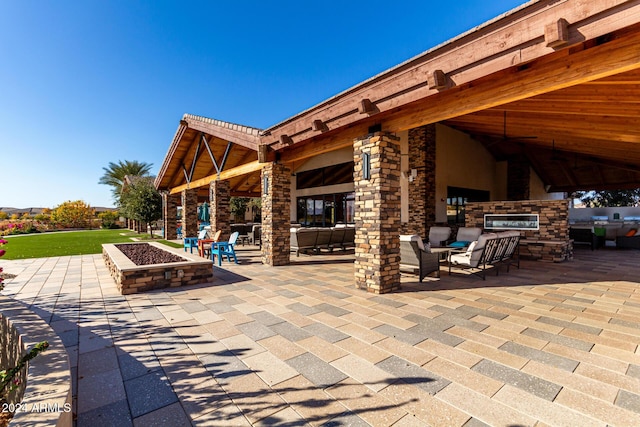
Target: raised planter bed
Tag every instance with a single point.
(185, 269)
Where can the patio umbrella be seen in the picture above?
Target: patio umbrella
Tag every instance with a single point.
(203, 213)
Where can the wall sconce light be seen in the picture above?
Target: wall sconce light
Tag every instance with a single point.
(265, 185)
(410, 174)
(366, 166)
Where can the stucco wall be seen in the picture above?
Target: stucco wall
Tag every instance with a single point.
(327, 159)
(463, 162)
(538, 192)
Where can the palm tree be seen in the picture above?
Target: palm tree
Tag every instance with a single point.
(115, 173)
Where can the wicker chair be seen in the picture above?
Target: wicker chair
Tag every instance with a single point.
(414, 256)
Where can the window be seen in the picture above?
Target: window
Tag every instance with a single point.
(330, 175)
(457, 198)
(326, 210)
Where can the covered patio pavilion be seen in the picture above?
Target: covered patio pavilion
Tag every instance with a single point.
(548, 344)
(541, 100)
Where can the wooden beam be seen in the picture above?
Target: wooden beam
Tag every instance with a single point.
(514, 39)
(367, 107)
(556, 34)
(583, 63)
(319, 126)
(240, 137)
(437, 80)
(286, 140)
(224, 175)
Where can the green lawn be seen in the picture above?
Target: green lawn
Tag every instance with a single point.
(41, 245)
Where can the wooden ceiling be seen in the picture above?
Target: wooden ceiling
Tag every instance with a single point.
(579, 138)
(204, 150)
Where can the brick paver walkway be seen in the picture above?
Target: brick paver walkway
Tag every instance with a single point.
(549, 344)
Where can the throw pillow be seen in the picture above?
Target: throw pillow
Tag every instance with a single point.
(631, 232)
(471, 247)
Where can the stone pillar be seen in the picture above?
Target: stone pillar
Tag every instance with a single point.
(422, 191)
(276, 214)
(190, 213)
(169, 214)
(220, 195)
(518, 179)
(377, 252)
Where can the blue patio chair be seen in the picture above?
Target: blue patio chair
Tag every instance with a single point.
(225, 248)
(192, 242)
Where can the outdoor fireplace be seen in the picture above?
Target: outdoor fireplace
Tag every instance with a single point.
(183, 269)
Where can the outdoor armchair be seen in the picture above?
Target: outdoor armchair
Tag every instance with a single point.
(192, 242)
(414, 256)
(220, 249)
(476, 255)
(465, 236)
(438, 236)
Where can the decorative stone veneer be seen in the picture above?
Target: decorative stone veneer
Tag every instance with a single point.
(422, 191)
(45, 397)
(377, 240)
(169, 213)
(550, 243)
(190, 212)
(220, 195)
(131, 278)
(276, 214)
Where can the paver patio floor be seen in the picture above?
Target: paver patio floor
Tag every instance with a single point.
(548, 344)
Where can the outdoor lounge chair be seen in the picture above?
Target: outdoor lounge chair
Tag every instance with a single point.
(323, 240)
(414, 256)
(220, 249)
(337, 238)
(465, 236)
(477, 255)
(303, 239)
(192, 242)
(511, 252)
(490, 249)
(438, 236)
(255, 236)
(349, 239)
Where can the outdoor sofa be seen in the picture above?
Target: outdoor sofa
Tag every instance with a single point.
(313, 239)
(491, 249)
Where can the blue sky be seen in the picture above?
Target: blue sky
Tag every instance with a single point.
(88, 82)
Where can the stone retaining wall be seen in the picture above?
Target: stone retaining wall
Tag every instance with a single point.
(131, 278)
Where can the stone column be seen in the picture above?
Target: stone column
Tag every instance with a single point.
(220, 195)
(518, 178)
(422, 191)
(276, 214)
(190, 213)
(377, 215)
(169, 214)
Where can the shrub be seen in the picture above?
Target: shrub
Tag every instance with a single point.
(70, 214)
(109, 219)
